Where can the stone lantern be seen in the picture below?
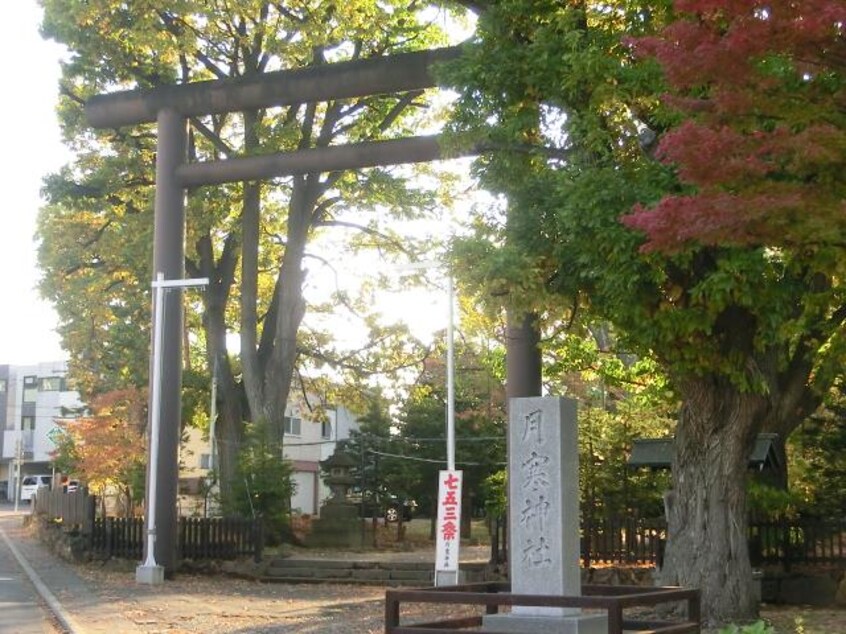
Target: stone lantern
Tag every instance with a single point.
(339, 466)
(338, 524)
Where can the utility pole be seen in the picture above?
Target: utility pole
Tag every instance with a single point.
(17, 471)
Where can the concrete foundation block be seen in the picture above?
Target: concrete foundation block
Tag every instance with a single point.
(150, 575)
(520, 623)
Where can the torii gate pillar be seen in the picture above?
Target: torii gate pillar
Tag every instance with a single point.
(169, 259)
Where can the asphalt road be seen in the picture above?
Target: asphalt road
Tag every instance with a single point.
(21, 608)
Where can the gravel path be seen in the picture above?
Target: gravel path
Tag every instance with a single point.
(219, 604)
(105, 598)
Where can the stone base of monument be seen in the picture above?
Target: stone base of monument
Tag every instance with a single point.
(338, 526)
(543, 624)
(449, 577)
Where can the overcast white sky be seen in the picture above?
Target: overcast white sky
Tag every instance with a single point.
(31, 150)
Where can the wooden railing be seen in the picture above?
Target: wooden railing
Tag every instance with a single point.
(611, 599)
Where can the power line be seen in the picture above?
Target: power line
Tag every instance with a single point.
(430, 460)
(433, 439)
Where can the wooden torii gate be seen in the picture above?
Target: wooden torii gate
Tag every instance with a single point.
(170, 107)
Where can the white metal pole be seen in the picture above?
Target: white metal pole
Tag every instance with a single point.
(450, 377)
(149, 572)
(155, 420)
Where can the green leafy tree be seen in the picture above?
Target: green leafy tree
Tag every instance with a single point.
(479, 426)
(373, 435)
(263, 487)
(621, 398)
(401, 456)
(817, 454)
(252, 240)
(747, 336)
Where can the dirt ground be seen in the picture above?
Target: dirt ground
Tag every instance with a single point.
(105, 599)
(805, 620)
(221, 605)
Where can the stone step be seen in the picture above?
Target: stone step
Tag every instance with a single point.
(339, 564)
(388, 573)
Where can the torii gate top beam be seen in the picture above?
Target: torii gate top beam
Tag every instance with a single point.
(343, 80)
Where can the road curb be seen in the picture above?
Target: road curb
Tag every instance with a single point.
(65, 619)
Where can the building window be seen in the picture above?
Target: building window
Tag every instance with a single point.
(27, 423)
(2, 386)
(326, 430)
(293, 426)
(30, 391)
(50, 384)
(205, 461)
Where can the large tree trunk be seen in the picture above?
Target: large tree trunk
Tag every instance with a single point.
(268, 360)
(706, 510)
(290, 305)
(792, 401)
(230, 414)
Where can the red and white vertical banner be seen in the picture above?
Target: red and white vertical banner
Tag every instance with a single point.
(448, 536)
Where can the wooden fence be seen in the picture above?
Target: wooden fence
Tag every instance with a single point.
(197, 538)
(74, 510)
(626, 540)
(639, 541)
(623, 540)
(220, 538)
(784, 541)
(121, 537)
(806, 541)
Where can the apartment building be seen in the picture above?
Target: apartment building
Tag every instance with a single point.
(32, 397)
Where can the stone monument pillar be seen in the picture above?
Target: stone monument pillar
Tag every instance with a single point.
(543, 501)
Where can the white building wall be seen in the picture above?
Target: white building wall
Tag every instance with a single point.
(305, 449)
(303, 499)
(315, 443)
(45, 409)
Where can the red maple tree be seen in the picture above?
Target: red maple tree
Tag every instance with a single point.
(761, 149)
(107, 448)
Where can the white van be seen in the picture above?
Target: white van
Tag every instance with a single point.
(31, 483)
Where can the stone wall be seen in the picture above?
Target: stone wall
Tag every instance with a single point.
(619, 576)
(817, 586)
(71, 546)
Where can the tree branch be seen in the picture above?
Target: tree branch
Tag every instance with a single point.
(367, 230)
(214, 138)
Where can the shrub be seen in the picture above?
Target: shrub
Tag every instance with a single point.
(758, 627)
(264, 486)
